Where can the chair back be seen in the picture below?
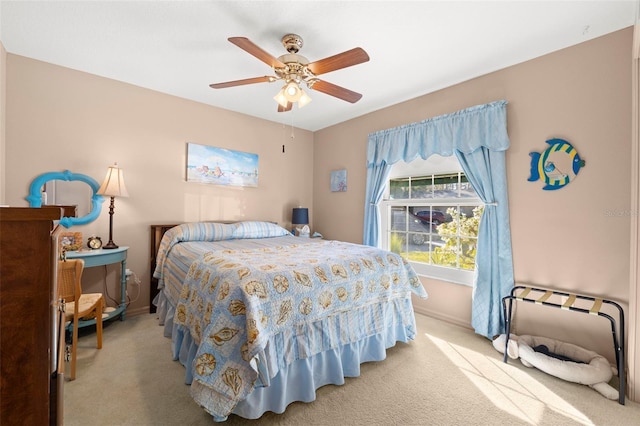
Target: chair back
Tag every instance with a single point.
(69, 279)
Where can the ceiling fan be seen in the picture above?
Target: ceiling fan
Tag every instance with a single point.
(294, 69)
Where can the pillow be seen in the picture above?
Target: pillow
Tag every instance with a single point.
(255, 229)
(201, 231)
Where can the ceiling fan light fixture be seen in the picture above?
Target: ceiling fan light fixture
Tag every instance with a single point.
(304, 99)
(292, 91)
(281, 98)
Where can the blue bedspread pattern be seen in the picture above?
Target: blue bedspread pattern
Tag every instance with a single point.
(236, 303)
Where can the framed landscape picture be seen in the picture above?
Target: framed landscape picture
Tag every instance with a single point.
(219, 166)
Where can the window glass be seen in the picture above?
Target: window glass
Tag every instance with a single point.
(432, 220)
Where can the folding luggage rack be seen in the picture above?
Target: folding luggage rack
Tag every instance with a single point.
(524, 293)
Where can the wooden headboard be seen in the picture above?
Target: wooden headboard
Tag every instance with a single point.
(157, 231)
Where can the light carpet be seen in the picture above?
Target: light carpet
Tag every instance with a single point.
(447, 376)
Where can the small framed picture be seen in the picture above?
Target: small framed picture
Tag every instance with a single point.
(339, 180)
(70, 241)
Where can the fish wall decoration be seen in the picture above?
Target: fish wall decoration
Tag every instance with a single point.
(557, 165)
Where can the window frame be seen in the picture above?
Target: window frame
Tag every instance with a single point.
(444, 273)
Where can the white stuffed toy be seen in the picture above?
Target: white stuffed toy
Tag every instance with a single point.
(560, 359)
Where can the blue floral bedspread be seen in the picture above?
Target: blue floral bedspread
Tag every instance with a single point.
(234, 302)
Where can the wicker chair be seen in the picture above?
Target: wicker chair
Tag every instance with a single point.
(77, 305)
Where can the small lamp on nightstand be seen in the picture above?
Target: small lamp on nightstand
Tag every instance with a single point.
(113, 186)
(300, 217)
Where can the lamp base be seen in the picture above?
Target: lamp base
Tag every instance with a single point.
(110, 245)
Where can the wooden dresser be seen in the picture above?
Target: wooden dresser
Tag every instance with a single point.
(30, 388)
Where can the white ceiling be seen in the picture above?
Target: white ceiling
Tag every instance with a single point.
(416, 47)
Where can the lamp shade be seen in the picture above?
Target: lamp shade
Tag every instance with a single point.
(292, 91)
(300, 216)
(113, 184)
(304, 99)
(281, 98)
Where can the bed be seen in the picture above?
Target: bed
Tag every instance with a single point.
(261, 318)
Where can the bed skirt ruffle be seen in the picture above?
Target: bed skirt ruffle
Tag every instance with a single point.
(299, 379)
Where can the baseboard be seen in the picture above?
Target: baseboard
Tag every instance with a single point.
(137, 311)
(443, 317)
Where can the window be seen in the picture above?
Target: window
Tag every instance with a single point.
(432, 219)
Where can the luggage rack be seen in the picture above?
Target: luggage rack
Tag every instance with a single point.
(526, 293)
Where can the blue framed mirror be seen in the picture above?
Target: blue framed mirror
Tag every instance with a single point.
(35, 195)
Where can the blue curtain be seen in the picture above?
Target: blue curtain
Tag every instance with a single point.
(376, 181)
(478, 137)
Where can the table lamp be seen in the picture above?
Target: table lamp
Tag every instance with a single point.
(300, 216)
(113, 186)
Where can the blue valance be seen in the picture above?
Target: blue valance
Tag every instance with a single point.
(466, 131)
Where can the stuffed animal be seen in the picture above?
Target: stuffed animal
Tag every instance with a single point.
(561, 359)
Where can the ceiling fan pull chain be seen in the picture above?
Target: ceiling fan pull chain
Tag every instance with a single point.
(293, 136)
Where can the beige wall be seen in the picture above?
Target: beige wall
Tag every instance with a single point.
(61, 119)
(576, 238)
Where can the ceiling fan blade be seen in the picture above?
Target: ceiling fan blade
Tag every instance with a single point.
(253, 49)
(337, 91)
(285, 109)
(265, 79)
(341, 60)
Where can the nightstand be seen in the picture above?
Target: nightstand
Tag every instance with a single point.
(102, 257)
